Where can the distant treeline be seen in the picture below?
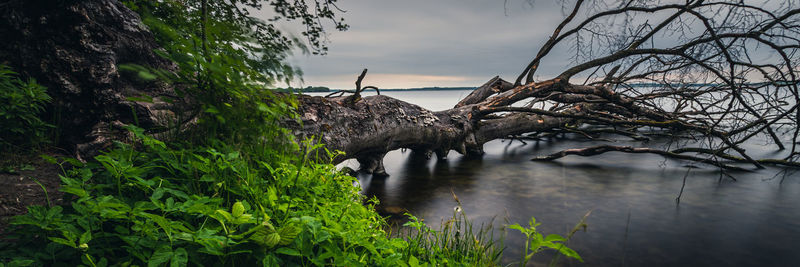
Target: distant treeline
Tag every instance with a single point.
(322, 89)
(436, 88)
(308, 89)
(778, 83)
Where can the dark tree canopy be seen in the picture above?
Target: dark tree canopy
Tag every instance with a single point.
(231, 27)
(107, 66)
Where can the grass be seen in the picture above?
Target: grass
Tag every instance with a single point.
(455, 242)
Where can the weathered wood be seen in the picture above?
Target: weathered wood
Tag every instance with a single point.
(493, 86)
(372, 126)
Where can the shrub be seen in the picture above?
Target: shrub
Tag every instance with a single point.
(154, 204)
(21, 103)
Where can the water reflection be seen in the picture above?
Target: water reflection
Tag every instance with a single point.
(635, 220)
(422, 179)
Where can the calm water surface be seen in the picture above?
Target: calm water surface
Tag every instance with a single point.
(634, 221)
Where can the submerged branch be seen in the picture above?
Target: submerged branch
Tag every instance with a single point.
(597, 150)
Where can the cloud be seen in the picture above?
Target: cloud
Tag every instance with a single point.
(391, 81)
(463, 42)
(409, 43)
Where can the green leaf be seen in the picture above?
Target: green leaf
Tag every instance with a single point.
(238, 209)
(554, 238)
(287, 234)
(246, 218)
(569, 253)
(85, 237)
(141, 98)
(162, 222)
(158, 193)
(272, 240)
(261, 234)
(413, 262)
(270, 260)
(49, 159)
(147, 76)
(179, 258)
(517, 227)
(63, 241)
(53, 213)
(225, 215)
(102, 263)
(288, 251)
(19, 263)
(160, 256)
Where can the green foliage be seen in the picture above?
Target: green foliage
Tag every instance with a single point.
(21, 104)
(263, 38)
(155, 204)
(536, 242)
(234, 105)
(307, 89)
(455, 243)
(227, 58)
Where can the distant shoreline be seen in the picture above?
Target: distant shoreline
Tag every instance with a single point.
(388, 90)
(419, 89)
(317, 90)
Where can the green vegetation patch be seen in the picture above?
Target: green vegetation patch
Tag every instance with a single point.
(22, 104)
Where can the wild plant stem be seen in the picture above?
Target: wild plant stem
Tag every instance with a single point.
(46, 196)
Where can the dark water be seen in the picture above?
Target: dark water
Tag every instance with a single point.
(634, 221)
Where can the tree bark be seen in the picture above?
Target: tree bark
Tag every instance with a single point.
(370, 127)
(75, 49)
(366, 128)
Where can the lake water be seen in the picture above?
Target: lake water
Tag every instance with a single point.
(635, 219)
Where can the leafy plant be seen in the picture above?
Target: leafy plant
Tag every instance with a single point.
(22, 104)
(456, 242)
(535, 242)
(156, 203)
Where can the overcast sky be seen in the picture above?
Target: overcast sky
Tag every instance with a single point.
(419, 43)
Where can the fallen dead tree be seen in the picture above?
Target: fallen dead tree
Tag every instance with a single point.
(717, 72)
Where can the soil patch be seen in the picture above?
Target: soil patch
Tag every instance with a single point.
(19, 188)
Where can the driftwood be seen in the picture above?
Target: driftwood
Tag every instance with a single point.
(369, 128)
(706, 87)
